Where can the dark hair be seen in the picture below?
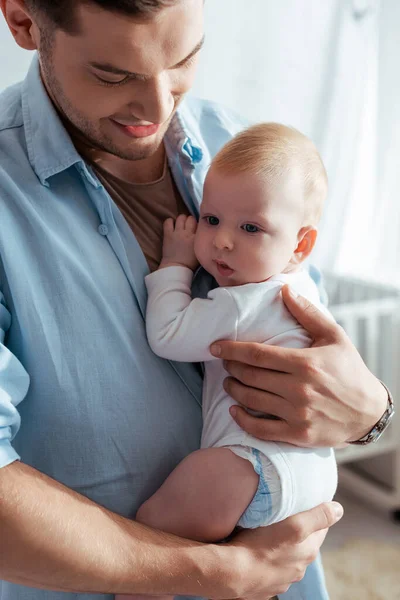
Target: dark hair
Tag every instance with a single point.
(61, 12)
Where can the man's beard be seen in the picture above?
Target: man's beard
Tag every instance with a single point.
(82, 131)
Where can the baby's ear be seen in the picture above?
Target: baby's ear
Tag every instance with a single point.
(306, 239)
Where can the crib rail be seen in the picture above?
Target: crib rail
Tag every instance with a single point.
(369, 312)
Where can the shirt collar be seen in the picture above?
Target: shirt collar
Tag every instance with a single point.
(180, 140)
(50, 147)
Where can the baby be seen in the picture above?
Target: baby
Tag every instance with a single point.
(263, 198)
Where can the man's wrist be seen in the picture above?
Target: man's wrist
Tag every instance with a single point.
(201, 570)
(380, 398)
(223, 571)
(382, 402)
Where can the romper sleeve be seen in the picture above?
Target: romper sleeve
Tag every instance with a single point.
(180, 328)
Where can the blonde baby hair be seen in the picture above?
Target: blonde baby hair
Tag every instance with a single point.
(272, 151)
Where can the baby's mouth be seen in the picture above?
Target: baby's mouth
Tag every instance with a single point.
(223, 268)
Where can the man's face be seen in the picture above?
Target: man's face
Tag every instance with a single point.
(119, 81)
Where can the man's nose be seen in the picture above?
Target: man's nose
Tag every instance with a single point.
(154, 103)
(223, 241)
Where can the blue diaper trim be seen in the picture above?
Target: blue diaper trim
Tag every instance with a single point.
(260, 509)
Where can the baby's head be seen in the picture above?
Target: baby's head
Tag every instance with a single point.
(262, 202)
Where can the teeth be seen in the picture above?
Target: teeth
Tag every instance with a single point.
(132, 124)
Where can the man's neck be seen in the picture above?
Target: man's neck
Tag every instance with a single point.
(133, 171)
(145, 170)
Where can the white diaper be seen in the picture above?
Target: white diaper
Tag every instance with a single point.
(266, 504)
(291, 480)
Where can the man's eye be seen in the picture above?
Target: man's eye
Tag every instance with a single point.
(212, 220)
(114, 81)
(249, 228)
(188, 63)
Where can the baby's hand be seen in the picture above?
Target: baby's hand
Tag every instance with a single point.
(178, 245)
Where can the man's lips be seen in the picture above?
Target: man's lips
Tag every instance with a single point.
(223, 268)
(138, 131)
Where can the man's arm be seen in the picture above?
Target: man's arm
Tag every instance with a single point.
(53, 538)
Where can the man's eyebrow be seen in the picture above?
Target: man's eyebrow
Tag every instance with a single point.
(195, 50)
(109, 68)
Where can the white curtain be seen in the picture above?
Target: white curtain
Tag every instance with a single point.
(370, 244)
(385, 234)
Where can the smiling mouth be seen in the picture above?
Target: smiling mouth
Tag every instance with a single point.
(138, 131)
(223, 268)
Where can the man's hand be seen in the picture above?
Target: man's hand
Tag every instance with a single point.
(178, 244)
(272, 558)
(323, 395)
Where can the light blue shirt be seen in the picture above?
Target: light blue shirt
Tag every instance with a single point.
(82, 397)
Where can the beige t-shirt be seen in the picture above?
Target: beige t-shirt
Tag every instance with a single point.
(145, 206)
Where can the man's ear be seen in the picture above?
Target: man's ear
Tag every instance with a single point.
(306, 239)
(20, 23)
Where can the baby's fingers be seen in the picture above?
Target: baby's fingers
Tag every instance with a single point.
(191, 224)
(168, 226)
(180, 222)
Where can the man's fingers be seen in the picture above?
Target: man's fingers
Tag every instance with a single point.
(274, 382)
(311, 318)
(318, 519)
(263, 429)
(260, 400)
(258, 355)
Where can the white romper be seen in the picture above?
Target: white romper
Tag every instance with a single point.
(180, 328)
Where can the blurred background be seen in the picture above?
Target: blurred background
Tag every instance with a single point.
(329, 68)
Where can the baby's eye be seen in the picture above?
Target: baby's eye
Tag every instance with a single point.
(249, 228)
(212, 220)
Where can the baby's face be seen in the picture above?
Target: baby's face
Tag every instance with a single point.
(248, 229)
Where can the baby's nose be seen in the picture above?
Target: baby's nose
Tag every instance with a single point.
(223, 241)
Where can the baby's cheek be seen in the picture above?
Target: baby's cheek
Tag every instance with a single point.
(262, 264)
(199, 244)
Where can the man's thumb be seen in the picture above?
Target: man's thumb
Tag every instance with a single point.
(309, 316)
(316, 519)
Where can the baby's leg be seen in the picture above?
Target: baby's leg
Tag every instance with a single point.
(204, 496)
(202, 499)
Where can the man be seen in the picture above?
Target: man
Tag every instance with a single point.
(96, 150)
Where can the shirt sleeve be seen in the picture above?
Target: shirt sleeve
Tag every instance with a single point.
(180, 328)
(14, 384)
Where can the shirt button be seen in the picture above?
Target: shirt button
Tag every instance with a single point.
(103, 229)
